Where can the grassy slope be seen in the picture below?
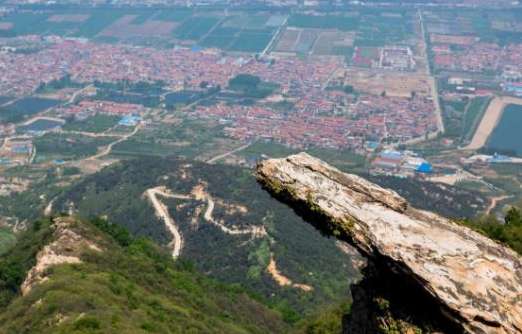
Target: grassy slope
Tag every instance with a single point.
(130, 287)
(7, 239)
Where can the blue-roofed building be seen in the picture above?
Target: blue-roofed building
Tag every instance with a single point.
(372, 145)
(514, 88)
(500, 158)
(425, 167)
(130, 120)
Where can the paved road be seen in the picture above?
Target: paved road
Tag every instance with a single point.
(78, 92)
(432, 80)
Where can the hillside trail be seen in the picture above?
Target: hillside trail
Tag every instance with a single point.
(109, 147)
(494, 202)
(281, 279)
(199, 193)
(226, 154)
(162, 212)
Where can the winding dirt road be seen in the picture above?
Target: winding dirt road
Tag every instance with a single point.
(494, 202)
(281, 279)
(163, 213)
(109, 147)
(255, 231)
(199, 194)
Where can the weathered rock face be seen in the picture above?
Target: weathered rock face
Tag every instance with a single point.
(65, 248)
(475, 283)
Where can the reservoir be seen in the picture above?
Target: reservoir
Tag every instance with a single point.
(507, 136)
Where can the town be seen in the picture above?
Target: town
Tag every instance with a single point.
(414, 92)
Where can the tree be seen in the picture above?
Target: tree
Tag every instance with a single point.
(513, 217)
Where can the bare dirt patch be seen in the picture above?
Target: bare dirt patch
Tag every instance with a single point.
(288, 40)
(333, 42)
(68, 18)
(281, 279)
(393, 83)
(125, 28)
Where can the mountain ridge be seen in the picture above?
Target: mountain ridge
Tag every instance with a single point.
(117, 284)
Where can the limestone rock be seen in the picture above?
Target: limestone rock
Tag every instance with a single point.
(476, 282)
(66, 248)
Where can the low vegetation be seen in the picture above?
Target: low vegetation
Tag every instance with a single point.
(131, 286)
(251, 86)
(508, 232)
(96, 123)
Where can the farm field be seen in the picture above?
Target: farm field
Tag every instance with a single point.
(288, 40)
(371, 28)
(243, 33)
(506, 136)
(68, 147)
(110, 24)
(23, 108)
(334, 43)
(341, 22)
(319, 42)
(39, 125)
(393, 83)
(126, 27)
(497, 26)
(5, 99)
(195, 27)
(97, 123)
(382, 29)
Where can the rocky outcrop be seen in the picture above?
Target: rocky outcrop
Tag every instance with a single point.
(471, 282)
(66, 247)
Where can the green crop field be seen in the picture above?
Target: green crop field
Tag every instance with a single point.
(221, 37)
(21, 109)
(324, 22)
(237, 34)
(195, 27)
(176, 15)
(96, 123)
(61, 146)
(251, 41)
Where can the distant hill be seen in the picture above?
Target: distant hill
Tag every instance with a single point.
(313, 270)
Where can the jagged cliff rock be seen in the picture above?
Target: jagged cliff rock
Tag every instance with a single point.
(65, 248)
(470, 282)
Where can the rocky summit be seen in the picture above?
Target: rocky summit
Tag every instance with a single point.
(470, 281)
